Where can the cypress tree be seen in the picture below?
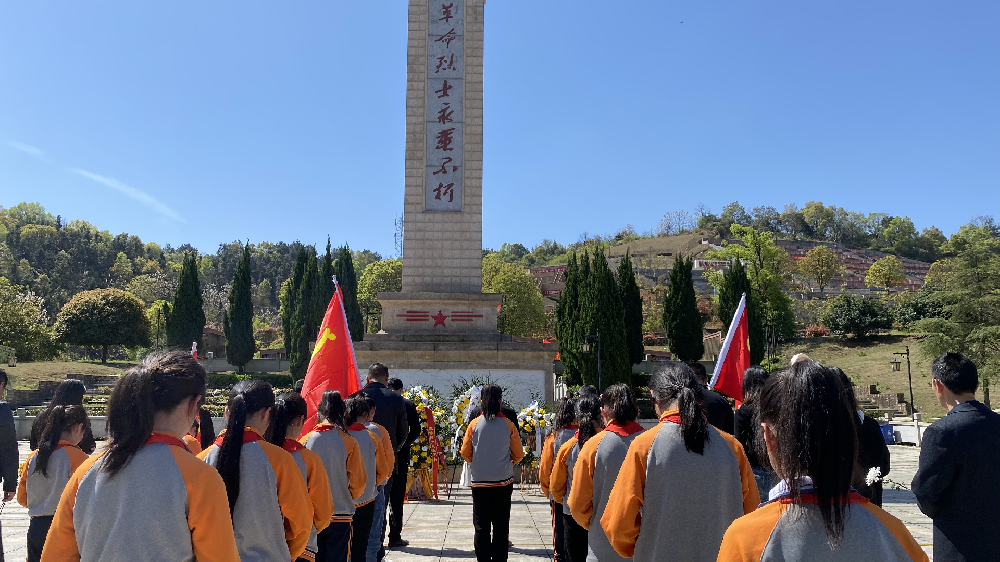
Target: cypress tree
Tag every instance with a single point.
(681, 320)
(238, 320)
(186, 320)
(306, 319)
(734, 284)
(348, 280)
(567, 314)
(327, 273)
(628, 291)
(601, 311)
(289, 294)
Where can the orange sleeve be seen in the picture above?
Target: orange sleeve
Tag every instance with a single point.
(467, 442)
(193, 444)
(22, 482)
(60, 544)
(581, 497)
(623, 514)
(293, 498)
(746, 537)
(319, 489)
(516, 448)
(204, 454)
(76, 458)
(751, 498)
(545, 464)
(357, 477)
(383, 466)
(208, 509)
(898, 530)
(560, 472)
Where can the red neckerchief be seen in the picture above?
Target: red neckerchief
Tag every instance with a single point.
(324, 426)
(577, 435)
(810, 497)
(673, 416)
(571, 426)
(168, 439)
(356, 427)
(292, 445)
(625, 430)
(249, 436)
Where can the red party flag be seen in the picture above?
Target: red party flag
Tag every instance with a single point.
(734, 358)
(332, 366)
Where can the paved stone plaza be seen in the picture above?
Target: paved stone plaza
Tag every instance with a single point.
(440, 531)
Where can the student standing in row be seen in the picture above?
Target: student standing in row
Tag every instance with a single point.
(345, 470)
(359, 412)
(70, 392)
(492, 445)
(588, 417)
(747, 428)
(290, 412)
(387, 458)
(565, 428)
(272, 519)
(48, 469)
(812, 514)
(598, 465)
(682, 483)
(182, 512)
(717, 409)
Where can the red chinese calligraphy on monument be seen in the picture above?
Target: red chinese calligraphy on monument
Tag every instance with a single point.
(447, 38)
(442, 191)
(445, 138)
(445, 114)
(445, 88)
(445, 63)
(446, 12)
(444, 166)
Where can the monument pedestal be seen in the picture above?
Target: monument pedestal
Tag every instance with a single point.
(439, 313)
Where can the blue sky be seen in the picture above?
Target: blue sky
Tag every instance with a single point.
(210, 122)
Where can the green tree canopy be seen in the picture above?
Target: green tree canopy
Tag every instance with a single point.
(522, 313)
(384, 276)
(601, 313)
(344, 270)
(628, 290)
(821, 265)
(566, 321)
(857, 315)
(187, 315)
(23, 323)
(238, 321)
(681, 319)
(886, 273)
(102, 318)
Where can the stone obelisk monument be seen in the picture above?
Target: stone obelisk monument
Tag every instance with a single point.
(442, 326)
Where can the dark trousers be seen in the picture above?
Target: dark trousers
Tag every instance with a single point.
(576, 539)
(385, 515)
(362, 528)
(491, 509)
(334, 543)
(38, 529)
(558, 536)
(396, 495)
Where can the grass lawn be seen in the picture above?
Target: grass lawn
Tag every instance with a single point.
(26, 375)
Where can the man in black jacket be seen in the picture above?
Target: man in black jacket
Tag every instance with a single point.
(398, 491)
(958, 480)
(390, 413)
(717, 409)
(8, 449)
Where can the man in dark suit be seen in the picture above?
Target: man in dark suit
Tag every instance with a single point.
(390, 413)
(398, 491)
(720, 414)
(8, 448)
(958, 480)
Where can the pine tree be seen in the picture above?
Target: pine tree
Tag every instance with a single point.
(735, 284)
(601, 313)
(628, 291)
(347, 278)
(306, 319)
(186, 320)
(238, 320)
(287, 297)
(567, 315)
(327, 273)
(681, 320)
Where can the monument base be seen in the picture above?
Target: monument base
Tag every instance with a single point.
(439, 313)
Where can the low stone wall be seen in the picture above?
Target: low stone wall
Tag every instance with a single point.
(220, 365)
(98, 424)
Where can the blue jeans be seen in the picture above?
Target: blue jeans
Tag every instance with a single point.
(378, 519)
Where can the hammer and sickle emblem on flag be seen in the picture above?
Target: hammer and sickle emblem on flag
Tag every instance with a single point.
(327, 335)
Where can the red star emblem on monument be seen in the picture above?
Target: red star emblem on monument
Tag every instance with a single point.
(439, 319)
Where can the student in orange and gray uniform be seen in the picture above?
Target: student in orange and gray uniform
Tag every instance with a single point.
(289, 417)
(359, 410)
(813, 514)
(48, 469)
(272, 516)
(682, 482)
(597, 468)
(747, 428)
(588, 416)
(492, 446)
(202, 433)
(565, 428)
(387, 459)
(145, 496)
(345, 470)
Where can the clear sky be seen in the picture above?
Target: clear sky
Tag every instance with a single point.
(206, 122)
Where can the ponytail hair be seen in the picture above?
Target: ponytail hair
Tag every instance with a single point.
(245, 399)
(332, 409)
(357, 406)
(490, 401)
(289, 406)
(675, 381)
(60, 419)
(589, 418)
(159, 384)
(565, 413)
(619, 403)
(206, 428)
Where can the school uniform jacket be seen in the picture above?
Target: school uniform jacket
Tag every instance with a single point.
(492, 447)
(693, 497)
(193, 444)
(387, 457)
(40, 494)
(777, 532)
(596, 470)
(165, 505)
(545, 464)
(273, 515)
(558, 438)
(341, 456)
(562, 472)
(318, 485)
(372, 456)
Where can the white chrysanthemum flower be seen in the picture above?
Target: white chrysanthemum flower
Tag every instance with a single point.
(874, 475)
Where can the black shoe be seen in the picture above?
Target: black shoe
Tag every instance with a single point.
(398, 543)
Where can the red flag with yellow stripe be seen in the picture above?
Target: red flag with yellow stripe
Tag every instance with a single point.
(333, 365)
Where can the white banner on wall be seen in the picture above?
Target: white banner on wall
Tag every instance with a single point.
(522, 386)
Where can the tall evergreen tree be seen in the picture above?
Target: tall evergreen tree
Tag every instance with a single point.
(567, 315)
(238, 320)
(348, 280)
(734, 284)
(327, 273)
(186, 320)
(681, 320)
(628, 291)
(306, 319)
(287, 297)
(601, 312)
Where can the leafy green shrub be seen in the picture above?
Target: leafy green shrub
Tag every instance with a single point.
(227, 380)
(857, 315)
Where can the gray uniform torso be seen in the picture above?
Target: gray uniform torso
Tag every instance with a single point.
(607, 463)
(300, 462)
(799, 537)
(329, 445)
(574, 454)
(369, 454)
(258, 524)
(44, 491)
(491, 451)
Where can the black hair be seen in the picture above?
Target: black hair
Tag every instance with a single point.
(3, 377)
(159, 384)
(565, 413)
(332, 408)
(60, 419)
(378, 372)
(490, 401)
(245, 399)
(395, 383)
(298, 385)
(675, 381)
(357, 408)
(956, 372)
(588, 411)
(754, 378)
(69, 391)
(206, 428)
(287, 407)
(700, 373)
(587, 389)
(619, 403)
(815, 428)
